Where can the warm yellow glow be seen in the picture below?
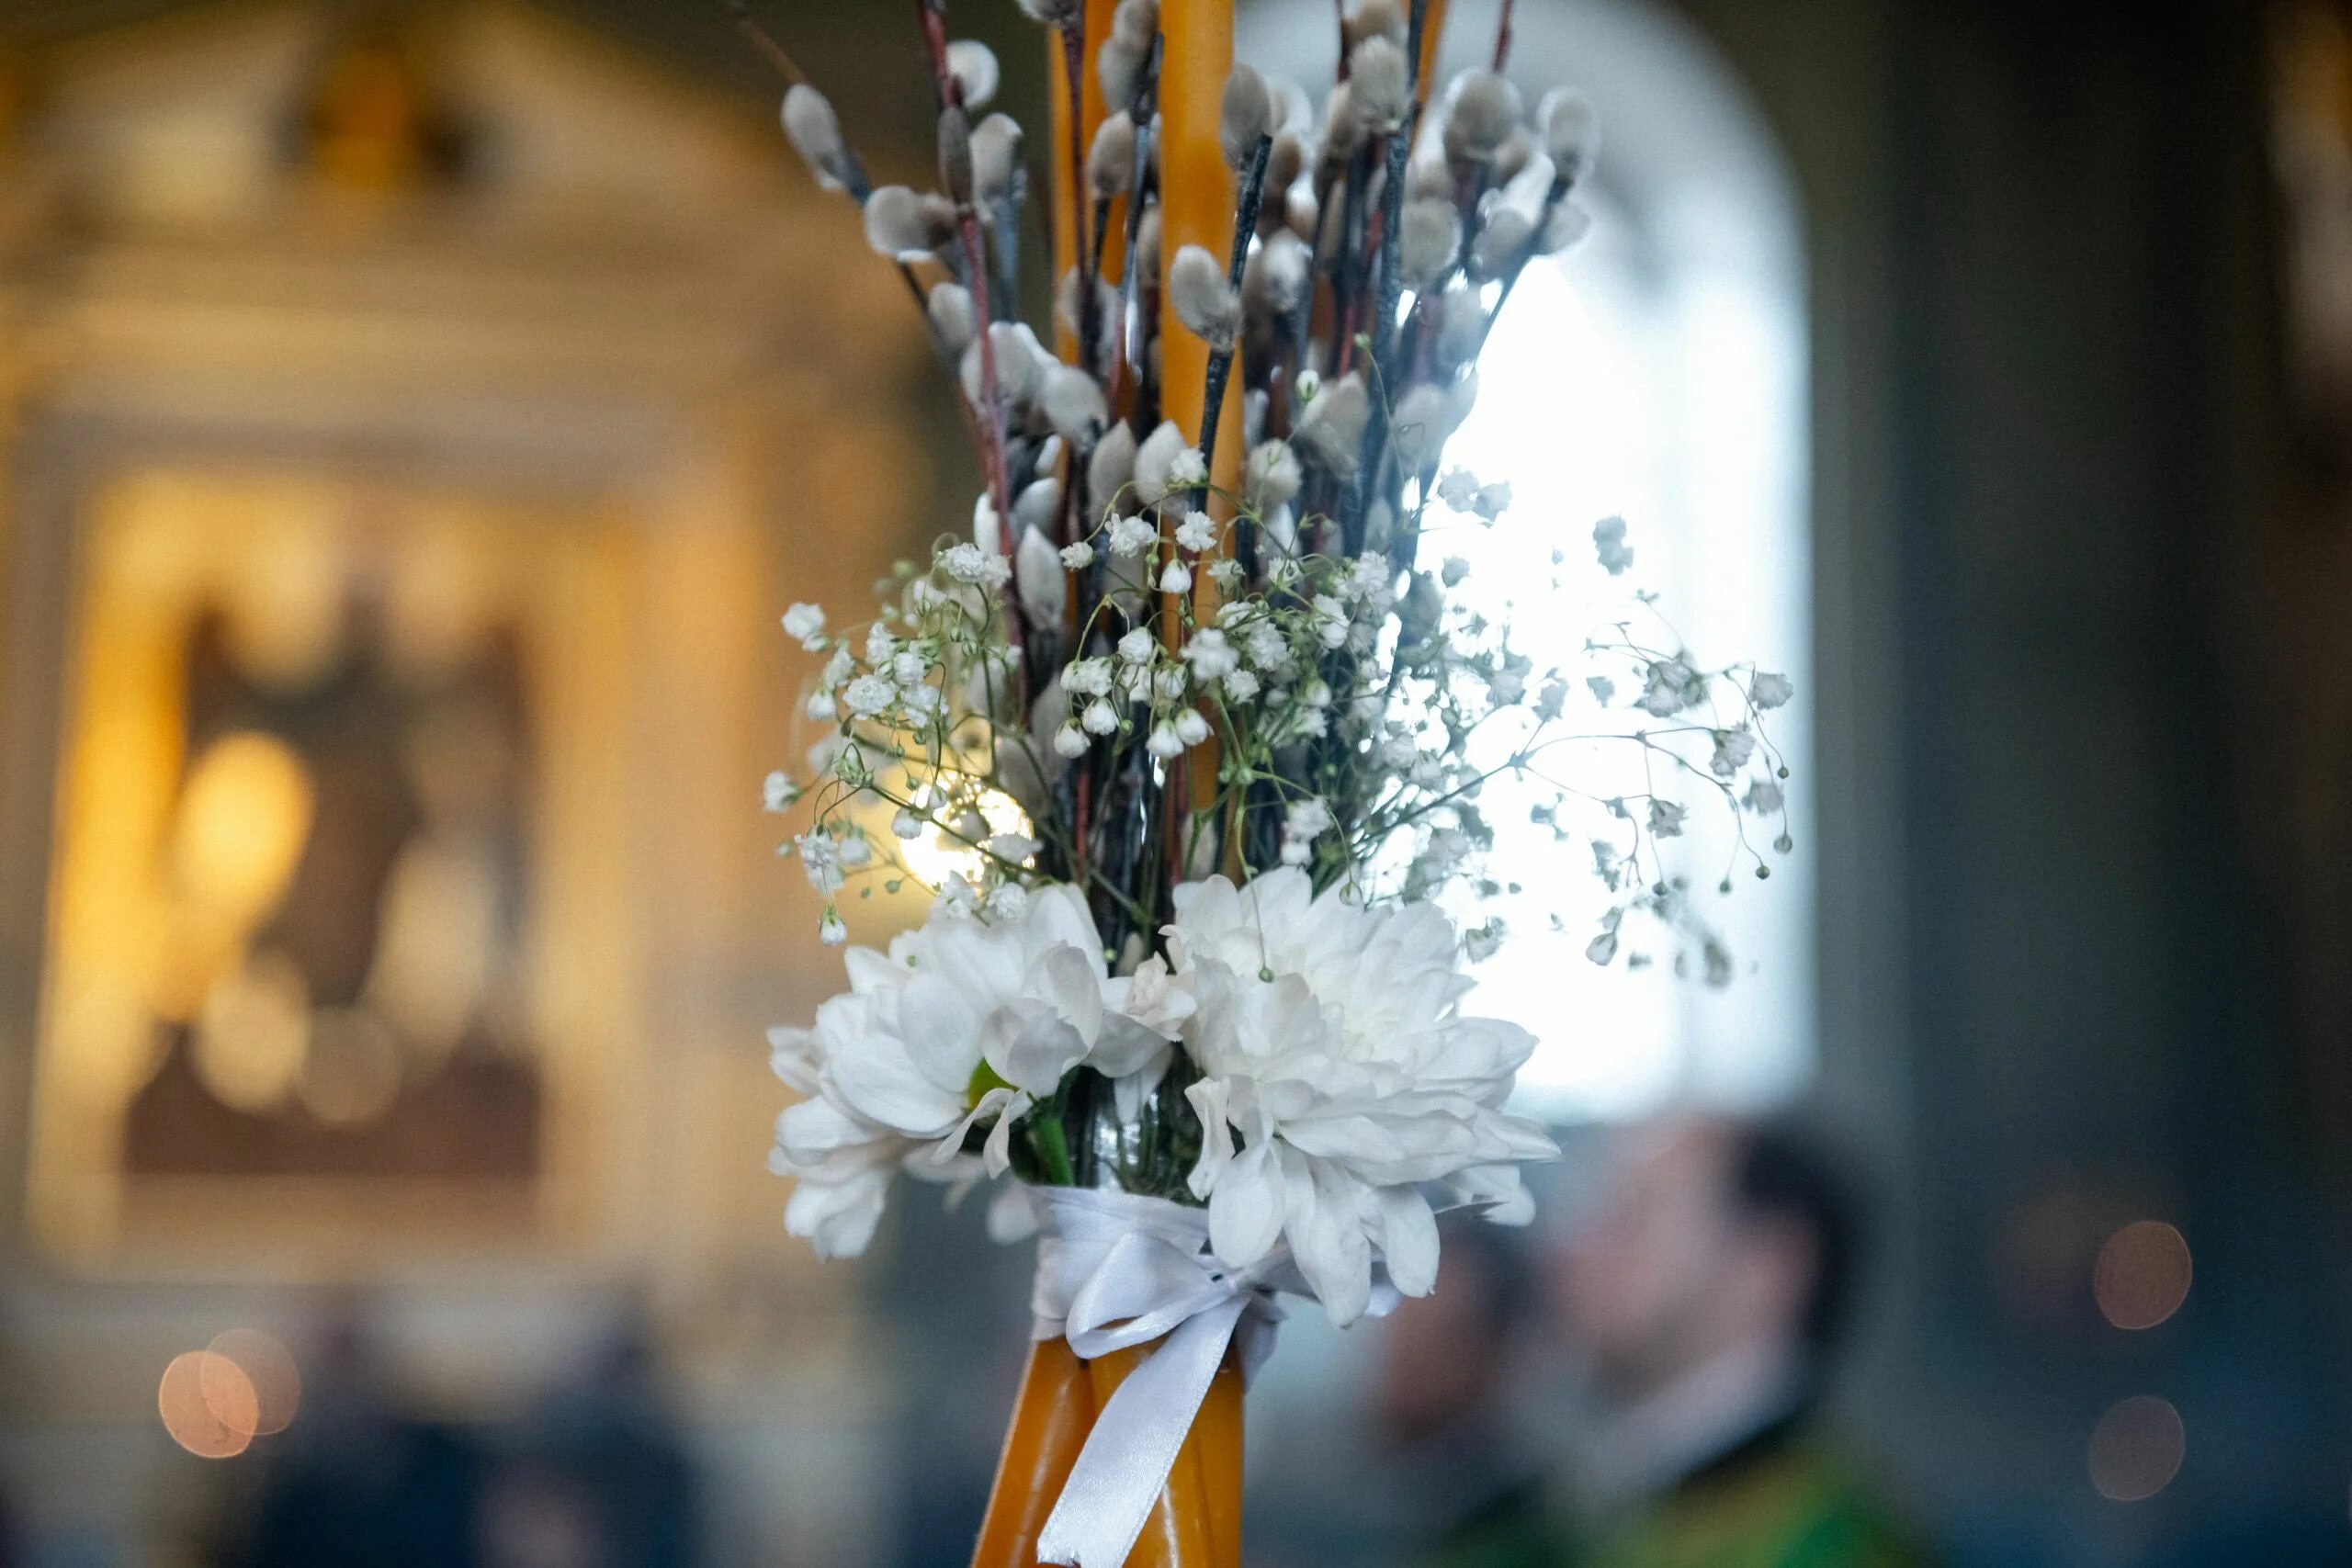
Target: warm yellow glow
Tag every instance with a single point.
(269, 1373)
(252, 1034)
(243, 823)
(434, 946)
(287, 605)
(354, 1069)
(207, 1404)
(938, 854)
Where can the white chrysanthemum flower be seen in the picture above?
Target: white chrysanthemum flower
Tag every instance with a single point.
(1336, 1078)
(1196, 533)
(1021, 994)
(1240, 686)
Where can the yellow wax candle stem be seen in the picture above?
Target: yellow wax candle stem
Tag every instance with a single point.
(1219, 1429)
(1176, 1535)
(1432, 27)
(1070, 142)
(1195, 185)
(1051, 1417)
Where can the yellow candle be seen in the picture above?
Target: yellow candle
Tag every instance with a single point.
(1069, 201)
(1195, 193)
(1432, 26)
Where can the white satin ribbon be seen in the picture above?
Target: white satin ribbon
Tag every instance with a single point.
(1117, 1270)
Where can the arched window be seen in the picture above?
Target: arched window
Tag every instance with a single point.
(1656, 371)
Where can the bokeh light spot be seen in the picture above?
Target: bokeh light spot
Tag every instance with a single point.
(269, 1371)
(207, 1404)
(2143, 1275)
(2136, 1450)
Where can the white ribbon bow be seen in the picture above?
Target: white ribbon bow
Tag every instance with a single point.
(1117, 1270)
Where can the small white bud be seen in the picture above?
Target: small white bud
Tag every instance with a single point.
(1191, 727)
(996, 156)
(1100, 718)
(973, 65)
(1164, 743)
(952, 318)
(1481, 110)
(907, 825)
(1072, 402)
(1176, 578)
(1244, 117)
(1155, 463)
(1039, 504)
(1273, 280)
(1037, 572)
(1269, 476)
(1430, 234)
(1379, 88)
(831, 931)
(1078, 556)
(816, 134)
(1203, 300)
(1111, 466)
(1571, 131)
(1331, 427)
(1070, 740)
(905, 226)
(1111, 162)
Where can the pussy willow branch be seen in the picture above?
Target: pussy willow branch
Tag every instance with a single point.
(1144, 114)
(949, 93)
(1245, 226)
(857, 187)
(1083, 261)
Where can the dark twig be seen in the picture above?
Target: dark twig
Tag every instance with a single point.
(1245, 224)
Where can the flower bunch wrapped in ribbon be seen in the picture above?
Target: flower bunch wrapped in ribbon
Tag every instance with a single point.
(1185, 736)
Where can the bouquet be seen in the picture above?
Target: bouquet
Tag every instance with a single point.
(1185, 736)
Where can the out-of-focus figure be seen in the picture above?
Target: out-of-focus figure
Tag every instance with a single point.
(361, 1483)
(1469, 1493)
(601, 1478)
(1702, 1301)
